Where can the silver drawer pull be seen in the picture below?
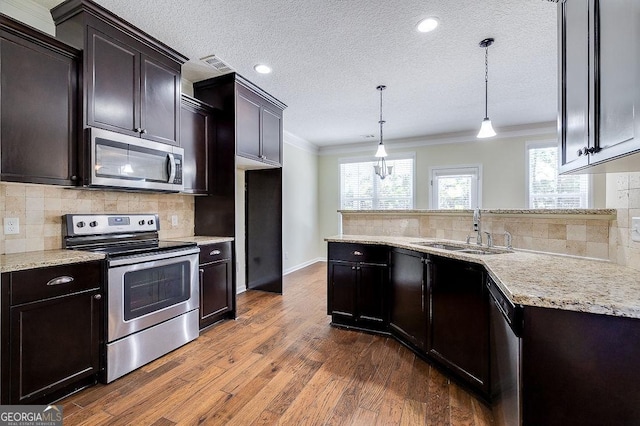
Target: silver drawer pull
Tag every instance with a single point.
(357, 253)
(60, 280)
(215, 253)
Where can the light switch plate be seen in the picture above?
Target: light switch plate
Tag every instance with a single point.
(11, 225)
(174, 220)
(635, 228)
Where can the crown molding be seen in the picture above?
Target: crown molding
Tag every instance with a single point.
(528, 130)
(30, 13)
(300, 143)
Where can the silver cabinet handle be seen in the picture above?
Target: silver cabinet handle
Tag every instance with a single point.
(65, 279)
(143, 131)
(357, 253)
(97, 296)
(215, 253)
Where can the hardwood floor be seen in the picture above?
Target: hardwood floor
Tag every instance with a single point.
(281, 362)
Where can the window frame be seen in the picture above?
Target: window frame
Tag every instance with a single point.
(368, 159)
(455, 169)
(549, 144)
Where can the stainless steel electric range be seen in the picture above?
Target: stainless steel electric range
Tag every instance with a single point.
(152, 286)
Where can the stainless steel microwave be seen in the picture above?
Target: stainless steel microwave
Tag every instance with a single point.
(127, 162)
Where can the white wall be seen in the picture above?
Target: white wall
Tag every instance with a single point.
(503, 171)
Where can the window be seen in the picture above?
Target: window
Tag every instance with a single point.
(362, 189)
(546, 189)
(456, 188)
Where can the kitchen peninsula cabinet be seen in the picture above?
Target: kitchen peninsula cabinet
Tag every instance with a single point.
(408, 301)
(38, 106)
(131, 82)
(599, 61)
(458, 336)
(216, 283)
(357, 281)
(257, 118)
(196, 138)
(51, 331)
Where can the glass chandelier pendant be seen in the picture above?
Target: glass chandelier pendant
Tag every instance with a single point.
(381, 167)
(486, 129)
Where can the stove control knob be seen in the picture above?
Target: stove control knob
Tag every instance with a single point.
(141, 222)
(150, 222)
(80, 224)
(93, 224)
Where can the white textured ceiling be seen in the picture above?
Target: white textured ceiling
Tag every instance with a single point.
(328, 56)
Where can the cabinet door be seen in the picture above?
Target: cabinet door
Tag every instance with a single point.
(272, 135)
(196, 134)
(113, 84)
(159, 101)
(342, 289)
(408, 310)
(459, 325)
(215, 291)
(616, 72)
(574, 84)
(372, 282)
(38, 110)
(248, 114)
(53, 344)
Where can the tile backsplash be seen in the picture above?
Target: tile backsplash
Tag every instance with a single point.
(39, 209)
(623, 194)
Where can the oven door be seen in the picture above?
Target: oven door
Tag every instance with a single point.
(155, 289)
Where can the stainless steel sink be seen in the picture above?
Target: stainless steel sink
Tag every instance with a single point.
(462, 249)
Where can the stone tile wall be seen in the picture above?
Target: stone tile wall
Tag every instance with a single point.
(623, 194)
(580, 236)
(40, 208)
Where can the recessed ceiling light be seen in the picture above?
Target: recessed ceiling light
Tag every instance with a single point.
(262, 69)
(428, 24)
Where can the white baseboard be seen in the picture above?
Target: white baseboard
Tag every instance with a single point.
(303, 265)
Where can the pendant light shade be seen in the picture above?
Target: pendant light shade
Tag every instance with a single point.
(486, 129)
(381, 167)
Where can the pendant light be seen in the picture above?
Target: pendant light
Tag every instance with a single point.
(486, 130)
(381, 167)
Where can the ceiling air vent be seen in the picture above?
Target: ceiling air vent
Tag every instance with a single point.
(217, 63)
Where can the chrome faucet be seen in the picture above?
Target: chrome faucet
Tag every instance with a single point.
(477, 226)
(489, 239)
(507, 239)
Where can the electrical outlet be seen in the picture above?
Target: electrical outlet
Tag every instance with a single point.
(11, 225)
(286, 255)
(635, 229)
(174, 220)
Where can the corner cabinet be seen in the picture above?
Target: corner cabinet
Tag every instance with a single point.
(253, 116)
(51, 332)
(599, 73)
(39, 107)
(131, 82)
(357, 281)
(217, 293)
(196, 138)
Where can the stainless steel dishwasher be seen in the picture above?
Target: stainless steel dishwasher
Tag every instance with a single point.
(505, 346)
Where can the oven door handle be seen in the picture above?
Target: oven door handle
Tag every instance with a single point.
(153, 257)
(171, 160)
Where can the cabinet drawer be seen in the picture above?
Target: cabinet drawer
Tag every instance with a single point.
(44, 283)
(350, 252)
(215, 252)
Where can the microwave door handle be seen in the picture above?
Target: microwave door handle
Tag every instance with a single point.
(171, 167)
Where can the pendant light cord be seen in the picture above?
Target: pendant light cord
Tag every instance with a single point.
(486, 82)
(381, 88)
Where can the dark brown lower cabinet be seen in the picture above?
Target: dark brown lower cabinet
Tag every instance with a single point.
(458, 336)
(408, 307)
(217, 292)
(580, 368)
(51, 332)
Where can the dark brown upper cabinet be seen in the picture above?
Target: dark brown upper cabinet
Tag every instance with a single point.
(251, 116)
(196, 137)
(131, 81)
(599, 70)
(38, 106)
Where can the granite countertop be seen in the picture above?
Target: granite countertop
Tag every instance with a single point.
(543, 280)
(39, 259)
(201, 240)
(582, 213)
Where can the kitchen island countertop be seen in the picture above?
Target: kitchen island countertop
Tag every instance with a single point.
(540, 279)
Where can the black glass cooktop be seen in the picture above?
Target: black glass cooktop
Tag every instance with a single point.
(136, 248)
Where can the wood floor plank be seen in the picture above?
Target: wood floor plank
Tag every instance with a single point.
(281, 362)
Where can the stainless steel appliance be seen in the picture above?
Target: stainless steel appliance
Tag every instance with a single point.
(152, 286)
(505, 347)
(122, 161)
